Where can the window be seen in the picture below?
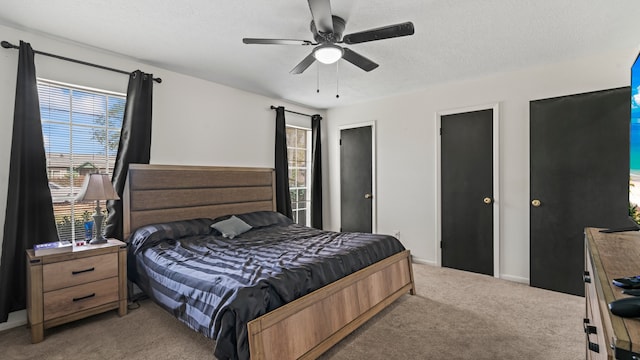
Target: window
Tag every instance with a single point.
(81, 129)
(299, 154)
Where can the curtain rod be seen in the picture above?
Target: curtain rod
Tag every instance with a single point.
(291, 111)
(8, 45)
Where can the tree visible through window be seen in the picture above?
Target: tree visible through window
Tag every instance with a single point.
(81, 129)
(299, 155)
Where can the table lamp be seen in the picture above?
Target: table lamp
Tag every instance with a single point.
(97, 187)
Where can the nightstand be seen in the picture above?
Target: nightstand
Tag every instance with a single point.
(69, 286)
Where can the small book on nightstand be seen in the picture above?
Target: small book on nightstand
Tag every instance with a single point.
(52, 248)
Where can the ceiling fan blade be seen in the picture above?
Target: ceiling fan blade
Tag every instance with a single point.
(276, 41)
(321, 13)
(303, 65)
(358, 60)
(380, 33)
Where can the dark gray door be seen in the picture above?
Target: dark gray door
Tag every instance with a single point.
(356, 194)
(467, 191)
(579, 178)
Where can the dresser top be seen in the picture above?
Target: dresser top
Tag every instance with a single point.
(615, 255)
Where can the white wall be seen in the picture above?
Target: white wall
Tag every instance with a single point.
(203, 123)
(195, 122)
(406, 149)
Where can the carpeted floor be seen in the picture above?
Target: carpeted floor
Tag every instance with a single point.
(461, 315)
(455, 315)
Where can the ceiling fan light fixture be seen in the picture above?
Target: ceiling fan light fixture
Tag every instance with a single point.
(328, 53)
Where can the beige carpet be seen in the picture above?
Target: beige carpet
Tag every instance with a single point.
(455, 315)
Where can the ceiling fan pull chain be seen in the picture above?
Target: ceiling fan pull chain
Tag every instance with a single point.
(317, 77)
(337, 80)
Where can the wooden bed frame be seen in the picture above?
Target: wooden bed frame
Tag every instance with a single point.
(302, 329)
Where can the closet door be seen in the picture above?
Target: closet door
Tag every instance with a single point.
(356, 179)
(466, 149)
(579, 177)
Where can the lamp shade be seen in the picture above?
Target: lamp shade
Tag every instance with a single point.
(328, 53)
(97, 187)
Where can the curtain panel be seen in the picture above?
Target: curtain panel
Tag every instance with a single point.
(29, 218)
(135, 144)
(283, 197)
(316, 172)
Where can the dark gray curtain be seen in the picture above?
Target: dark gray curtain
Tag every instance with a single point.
(29, 216)
(283, 197)
(316, 173)
(135, 143)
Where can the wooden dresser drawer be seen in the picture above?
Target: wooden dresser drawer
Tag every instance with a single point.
(595, 331)
(76, 298)
(79, 271)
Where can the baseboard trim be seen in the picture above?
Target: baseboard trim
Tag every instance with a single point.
(514, 278)
(418, 260)
(16, 318)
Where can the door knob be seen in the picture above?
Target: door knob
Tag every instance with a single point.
(368, 196)
(487, 200)
(536, 203)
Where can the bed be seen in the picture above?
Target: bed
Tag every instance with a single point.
(297, 321)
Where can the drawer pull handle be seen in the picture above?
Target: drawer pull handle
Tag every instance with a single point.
(84, 297)
(594, 347)
(82, 271)
(590, 329)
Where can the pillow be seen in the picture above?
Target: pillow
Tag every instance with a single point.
(258, 219)
(150, 235)
(231, 227)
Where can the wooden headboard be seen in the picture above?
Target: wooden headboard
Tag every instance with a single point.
(163, 193)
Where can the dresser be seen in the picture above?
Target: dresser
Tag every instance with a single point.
(69, 286)
(609, 256)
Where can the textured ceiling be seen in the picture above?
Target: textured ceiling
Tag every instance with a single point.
(454, 39)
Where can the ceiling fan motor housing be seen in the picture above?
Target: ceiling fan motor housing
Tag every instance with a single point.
(333, 37)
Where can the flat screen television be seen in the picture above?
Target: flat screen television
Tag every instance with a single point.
(634, 138)
(634, 152)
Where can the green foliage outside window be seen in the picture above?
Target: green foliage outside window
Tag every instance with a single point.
(64, 225)
(634, 212)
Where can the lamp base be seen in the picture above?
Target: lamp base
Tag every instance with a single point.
(96, 240)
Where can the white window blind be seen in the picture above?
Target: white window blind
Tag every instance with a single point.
(81, 129)
(299, 156)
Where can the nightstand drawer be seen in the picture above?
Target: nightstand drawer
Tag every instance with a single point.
(79, 271)
(73, 299)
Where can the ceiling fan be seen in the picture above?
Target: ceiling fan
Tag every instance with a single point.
(327, 31)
